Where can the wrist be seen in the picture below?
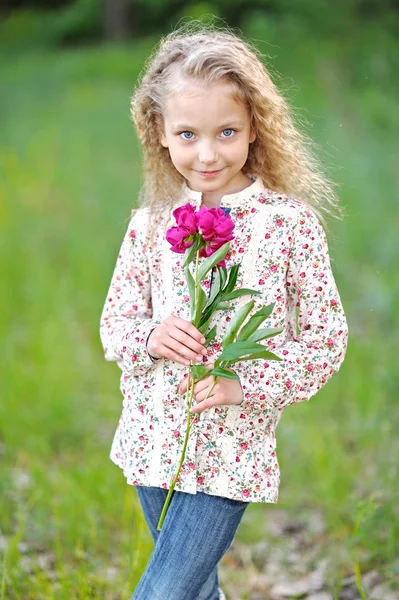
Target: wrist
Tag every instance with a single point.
(153, 358)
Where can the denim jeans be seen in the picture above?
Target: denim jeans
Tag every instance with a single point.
(197, 531)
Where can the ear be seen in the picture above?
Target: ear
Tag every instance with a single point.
(161, 135)
(252, 135)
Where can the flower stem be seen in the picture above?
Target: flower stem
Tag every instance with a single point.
(190, 422)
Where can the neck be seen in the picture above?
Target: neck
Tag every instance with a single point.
(213, 199)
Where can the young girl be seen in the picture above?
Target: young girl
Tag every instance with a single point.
(217, 133)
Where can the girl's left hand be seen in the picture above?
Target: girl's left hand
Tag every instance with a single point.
(226, 391)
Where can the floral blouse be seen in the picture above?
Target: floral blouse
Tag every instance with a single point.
(231, 451)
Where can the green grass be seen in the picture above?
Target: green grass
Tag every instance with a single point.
(69, 174)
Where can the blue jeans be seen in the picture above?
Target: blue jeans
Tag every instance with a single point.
(197, 531)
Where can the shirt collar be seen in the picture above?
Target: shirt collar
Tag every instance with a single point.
(229, 200)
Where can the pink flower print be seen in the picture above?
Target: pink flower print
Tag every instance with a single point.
(310, 368)
(245, 493)
(302, 275)
(244, 445)
(132, 234)
(288, 385)
(267, 236)
(261, 282)
(176, 433)
(273, 268)
(330, 343)
(279, 223)
(238, 459)
(200, 480)
(333, 303)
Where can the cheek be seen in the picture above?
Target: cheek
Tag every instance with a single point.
(238, 152)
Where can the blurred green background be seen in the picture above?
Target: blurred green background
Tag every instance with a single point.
(69, 174)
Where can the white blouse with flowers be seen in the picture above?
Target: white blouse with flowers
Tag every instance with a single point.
(231, 452)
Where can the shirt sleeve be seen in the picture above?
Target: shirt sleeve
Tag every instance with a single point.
(126, 320)
(315, 348)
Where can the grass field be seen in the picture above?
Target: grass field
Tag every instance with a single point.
(69, 173)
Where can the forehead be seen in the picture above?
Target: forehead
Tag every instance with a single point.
(207, 105)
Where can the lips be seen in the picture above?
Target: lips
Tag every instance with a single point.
(210, 173)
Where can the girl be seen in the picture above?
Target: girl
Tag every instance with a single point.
(215, 132)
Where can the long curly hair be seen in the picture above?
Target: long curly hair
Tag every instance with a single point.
(282, 156)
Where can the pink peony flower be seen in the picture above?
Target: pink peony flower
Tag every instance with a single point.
(214, 225)
(186, 217)
(179, 238)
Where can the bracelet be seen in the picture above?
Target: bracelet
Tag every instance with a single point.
(153, 358)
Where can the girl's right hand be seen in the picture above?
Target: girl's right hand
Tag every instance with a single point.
(176, 339)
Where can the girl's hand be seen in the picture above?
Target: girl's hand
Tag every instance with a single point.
(226, 391)
(176, 339)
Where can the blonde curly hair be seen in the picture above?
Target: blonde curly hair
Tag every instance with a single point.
(281, 155)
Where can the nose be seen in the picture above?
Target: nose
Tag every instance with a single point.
(207, 153)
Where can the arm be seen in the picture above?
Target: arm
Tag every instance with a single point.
(315, 353)
(126, 320)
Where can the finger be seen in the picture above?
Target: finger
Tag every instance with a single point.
(172, 355)
(200, 393)
(184, 385)
(184, 345)
(190, 329)
(201, 406)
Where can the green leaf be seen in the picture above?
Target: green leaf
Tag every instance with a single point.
(255, 321)
(220, 372)
(191, 290)
(199, 371)
(233, 274)
(265, 354)
(210, 336)
(200, 303)
(212, 260)
(224, 306)
(240, 292)
(262, 334)
(238, 349)
(203, 325)
(192, 250)
(223, 275)
(236, 323)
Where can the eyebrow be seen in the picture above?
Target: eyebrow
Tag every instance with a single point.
(183, 127)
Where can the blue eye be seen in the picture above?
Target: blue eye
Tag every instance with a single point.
(189, 135)
(231, 131)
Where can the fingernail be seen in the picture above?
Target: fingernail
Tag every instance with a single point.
(202, 340)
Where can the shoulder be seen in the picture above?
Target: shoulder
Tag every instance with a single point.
(288, 211)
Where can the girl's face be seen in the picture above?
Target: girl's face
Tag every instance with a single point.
(208, 133)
